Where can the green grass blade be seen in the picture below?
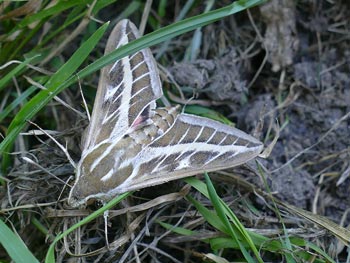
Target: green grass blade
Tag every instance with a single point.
(15, 246)
(239, 234)
(209, 216)
(263, 243)
(179, 230)
(53, 86)
(206, 112)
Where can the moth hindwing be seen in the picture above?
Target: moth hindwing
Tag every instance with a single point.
(131, 145)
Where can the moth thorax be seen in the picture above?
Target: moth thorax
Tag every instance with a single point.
(165, 117)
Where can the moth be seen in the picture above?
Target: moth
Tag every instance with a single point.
(131, 144)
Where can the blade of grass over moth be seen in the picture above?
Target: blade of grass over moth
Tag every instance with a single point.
(50, 256)
(44, 96)
(150, 39)
(14, 245)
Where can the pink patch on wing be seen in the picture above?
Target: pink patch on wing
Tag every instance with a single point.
(139, 121)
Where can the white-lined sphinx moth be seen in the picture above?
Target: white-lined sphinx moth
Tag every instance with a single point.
(131, 145)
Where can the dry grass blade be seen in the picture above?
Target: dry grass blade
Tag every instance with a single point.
(340, 232)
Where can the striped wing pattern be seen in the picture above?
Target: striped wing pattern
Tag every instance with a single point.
(190, 146)
(132, 145)
(127, 90)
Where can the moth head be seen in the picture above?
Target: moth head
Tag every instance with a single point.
(97, 178)
(75, 201)
(85, 188)
(77, 197)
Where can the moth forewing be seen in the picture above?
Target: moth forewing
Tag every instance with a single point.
(192, 145)
(127, 89)
(131, 145)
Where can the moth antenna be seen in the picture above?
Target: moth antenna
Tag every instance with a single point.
(57, 143)
(84, 101)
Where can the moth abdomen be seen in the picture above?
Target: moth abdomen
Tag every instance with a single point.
(158, 124)
(164, 118)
